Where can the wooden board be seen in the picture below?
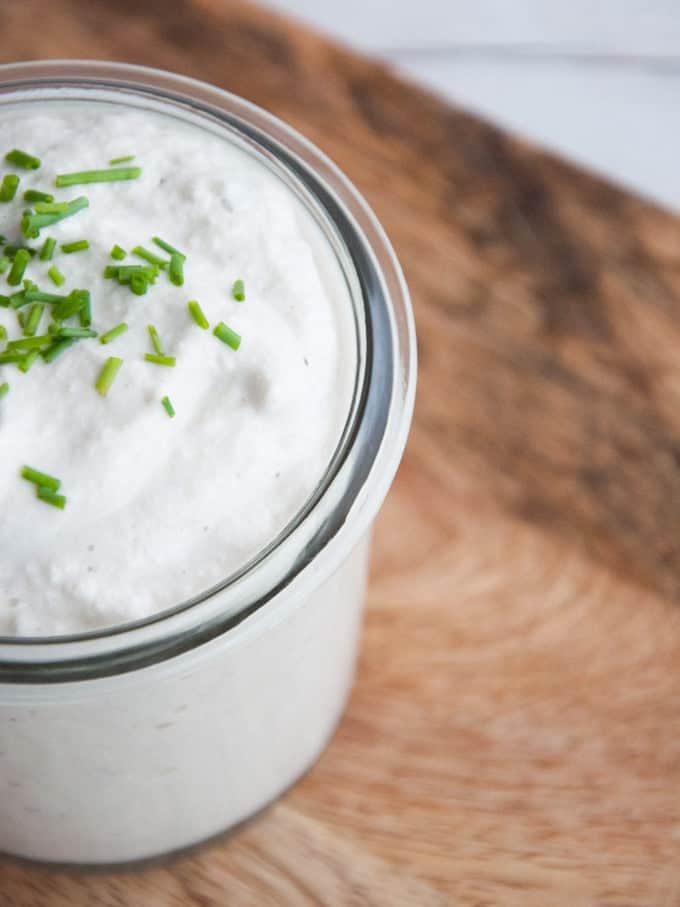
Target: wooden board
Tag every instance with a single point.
(513, 736)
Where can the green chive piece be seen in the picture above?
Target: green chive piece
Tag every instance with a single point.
(226, 335)
(176, 270)
(34, 294)
(5, 302)
(27, 362)
(41, 479)
(139, 284)
(77, 333)
(85, 313)
(110, 271)
(56, 500)
(166, 247)
(121, 160)
(125, 273)
(155, 340)
(4, 263)
(33, 195)
(19, 265)
(22, 159)
(80, 245)
(4, 389)
(8, 187)
(118, 253)
(51, 207)
(3, 332)
(111, 335)
(33, 318)
(54, 327)
(97, 176)
(11, 251)
(71, 304)
(238, 291)
(25, 344)
(196, 313)
(160, 360)
(107, 375)
(11, 356)
(48, 248)
(141, 252)
(17, 300)
(58, 347)
(168, 407)
(32, 224)
(56, 276)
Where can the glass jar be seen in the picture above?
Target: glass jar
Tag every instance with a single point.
(147, 738)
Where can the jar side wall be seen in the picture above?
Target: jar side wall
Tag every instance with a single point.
(164, 763)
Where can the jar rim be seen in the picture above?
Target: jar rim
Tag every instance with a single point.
(353, 488)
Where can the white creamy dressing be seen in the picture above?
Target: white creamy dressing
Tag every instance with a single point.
(160, 509)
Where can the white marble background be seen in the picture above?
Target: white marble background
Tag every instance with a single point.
(597, 80)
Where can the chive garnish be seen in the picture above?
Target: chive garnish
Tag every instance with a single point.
(33, 195)
(77, 333)
(111, 335)
(35, 313)
(4, 263)
(5, 302)
(11, 356)
(34, 294)
(166, 247)
(155, 340)
(176, 270)
(160, 360)
(41, 479)
(48, 248)
(50, 207)
(27, 362)
(196, 313)
(141, 252)
(58, 347)
(139, 284)
(56, 276)
(238, 291)
(121, 160)
(19, 265)
(80, 245)
(11, 251)
(85, 313)
(8, 187)
(24, 344)
(4, 389)
(97, 176)
(226, 335)
(3, 332)
(32, 224)
(168, 407)
(56, 500)
(22, 159)
(118, 253)
(107, 375)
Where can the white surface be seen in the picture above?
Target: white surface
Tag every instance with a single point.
(597, 82)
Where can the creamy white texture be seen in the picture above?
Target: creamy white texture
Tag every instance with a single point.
(161, 509)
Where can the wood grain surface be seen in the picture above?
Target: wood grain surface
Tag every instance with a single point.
(513, 738)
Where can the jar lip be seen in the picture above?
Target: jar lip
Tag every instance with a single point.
(346, 502)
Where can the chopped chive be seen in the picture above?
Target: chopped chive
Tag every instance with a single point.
(196, 313)
(166, 247)
(32, 224)
(238, 291)
(5, 302)
(56, 500)
(155, 340)
(21, 318)
(17, 300)
(226, 335)
(80, 245)
(160, 360)
(85, 313)
(139, 284)
(28, 361)
(110, 271)
(54, 327)
(71, 304)
(24, 344)
(118, 253)
(58, 347)
(8, 187)
(56, 276)
(4, 389)
(35, 313)
(4, 263)
(97, 176)
(176, 270)
(125, 273)
(168, 407)
(22, 159)
(111, 335)
(51, 207)
(41, 479)
(3, 332)
(141, 252)
(107, 375)
(48, 248)
(34, 294)
(11, 251)
(77, 333)
(19, 265)
(122, 160)
(11, 356)
(33, 195)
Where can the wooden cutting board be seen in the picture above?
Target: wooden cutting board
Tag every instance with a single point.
(513, 738)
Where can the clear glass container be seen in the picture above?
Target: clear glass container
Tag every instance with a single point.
(147, 738)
